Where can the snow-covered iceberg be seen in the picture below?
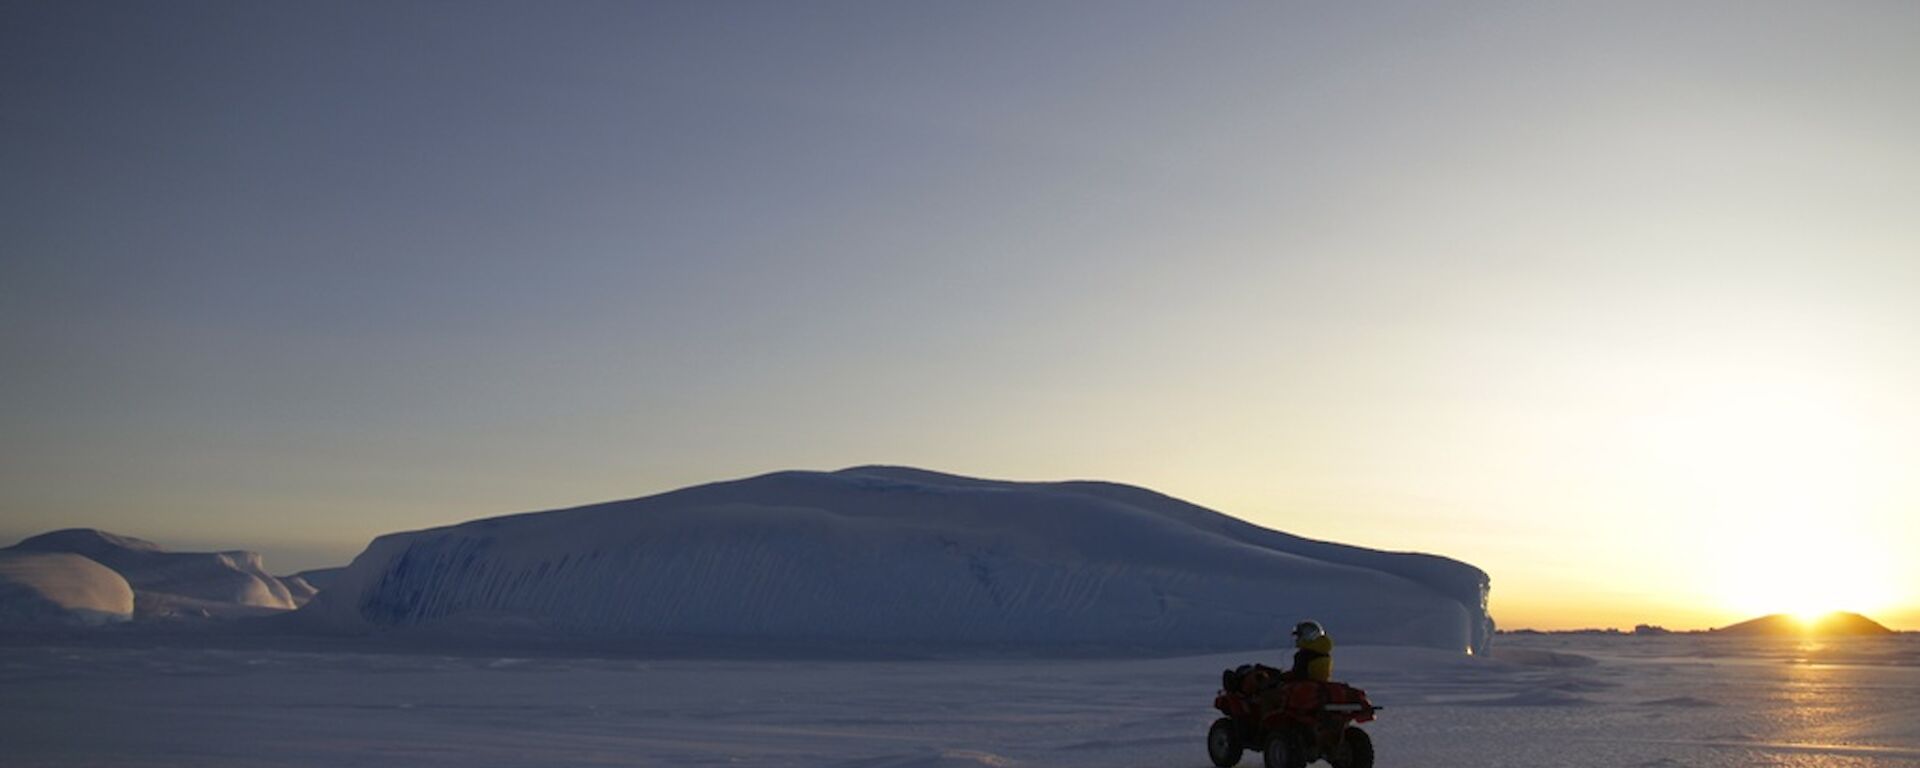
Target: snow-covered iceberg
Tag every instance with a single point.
(895, 558)
(167, 583)
(60, 588)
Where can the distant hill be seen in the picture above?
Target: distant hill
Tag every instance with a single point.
(1838, 623)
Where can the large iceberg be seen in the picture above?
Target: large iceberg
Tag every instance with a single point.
(60, 588)
(171, 584)
(888, 558)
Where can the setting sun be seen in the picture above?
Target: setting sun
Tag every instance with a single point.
(1784, 484)
(1785, 577)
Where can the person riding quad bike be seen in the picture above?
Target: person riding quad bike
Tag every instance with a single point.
(1312, 655)
(1293, 716)
(1312, 662)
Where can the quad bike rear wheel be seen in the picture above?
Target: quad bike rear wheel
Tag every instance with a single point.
(1223, 743)
(1355, 750)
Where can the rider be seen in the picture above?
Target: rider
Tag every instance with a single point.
(1313, 654)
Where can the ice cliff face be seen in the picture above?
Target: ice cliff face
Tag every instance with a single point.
(880, 557)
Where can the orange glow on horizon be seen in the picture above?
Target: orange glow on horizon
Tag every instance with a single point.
(1548, 612)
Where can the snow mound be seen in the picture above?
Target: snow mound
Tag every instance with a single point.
(60, 588)
(881, 558)
(948, 758)
(1539, 697)
(1680, 701)
(1534, 657)
(174, 583)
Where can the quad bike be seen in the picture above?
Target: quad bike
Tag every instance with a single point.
(1292, 723)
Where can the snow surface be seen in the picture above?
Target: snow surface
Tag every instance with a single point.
(1686, 700)
(883, 559)
(60, 587)
(174, 583)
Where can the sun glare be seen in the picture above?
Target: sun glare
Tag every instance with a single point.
(1776, 476)
(1763, 572)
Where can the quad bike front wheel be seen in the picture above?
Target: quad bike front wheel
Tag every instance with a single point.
(1355, 750)
(1223, 743)
(1281, 753)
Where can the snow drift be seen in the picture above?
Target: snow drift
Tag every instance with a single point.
(174, 583)
(60, 588)
(891, 558)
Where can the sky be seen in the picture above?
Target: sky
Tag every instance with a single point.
(1619, 302)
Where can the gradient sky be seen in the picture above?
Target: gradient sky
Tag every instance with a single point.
(1619, 301)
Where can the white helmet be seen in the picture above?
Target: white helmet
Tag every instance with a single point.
(1307, 631)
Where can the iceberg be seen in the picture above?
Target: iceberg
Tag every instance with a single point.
(173, 584)
(888, 558)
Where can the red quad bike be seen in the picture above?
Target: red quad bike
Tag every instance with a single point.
(1292, 723)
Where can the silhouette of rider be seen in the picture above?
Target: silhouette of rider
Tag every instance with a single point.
(1312, 655)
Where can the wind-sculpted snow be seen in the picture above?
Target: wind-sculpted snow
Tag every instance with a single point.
(881, 559)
